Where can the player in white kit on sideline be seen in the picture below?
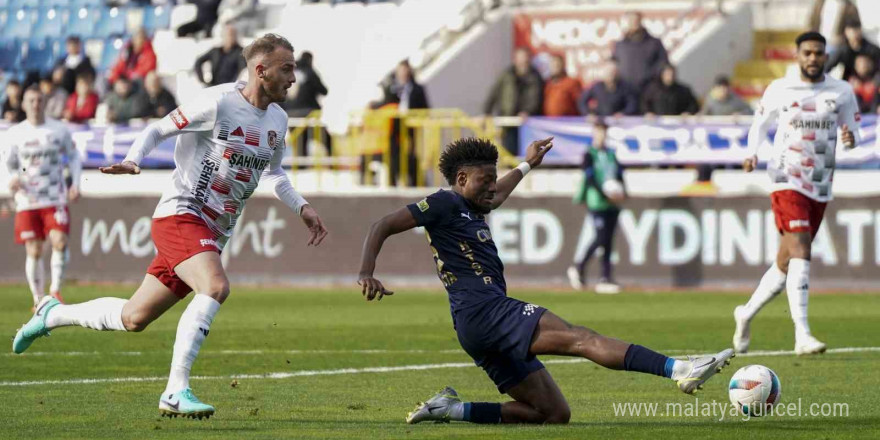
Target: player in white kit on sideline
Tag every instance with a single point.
(34, 152)
(812, 110)
(226, 140)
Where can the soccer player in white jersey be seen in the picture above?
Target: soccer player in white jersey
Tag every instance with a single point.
(226, 140)
(812, 111)
(34, 155)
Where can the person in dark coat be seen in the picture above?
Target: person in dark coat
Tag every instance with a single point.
(226, 60)
(853, 46)
(75, 63)
(640, 56)
(666, 96)
(161, 100)
(608, 97)
(206, 18)
(307, 89)
(519, 91)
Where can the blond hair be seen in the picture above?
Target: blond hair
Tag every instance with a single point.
(265, 45)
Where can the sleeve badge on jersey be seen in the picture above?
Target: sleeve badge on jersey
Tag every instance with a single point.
(179, 119)
(423, 205)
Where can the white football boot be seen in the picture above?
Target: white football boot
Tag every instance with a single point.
(436, 409)
(702, 368)
(808, 345)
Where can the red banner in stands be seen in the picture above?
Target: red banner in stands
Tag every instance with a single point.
(586, 38)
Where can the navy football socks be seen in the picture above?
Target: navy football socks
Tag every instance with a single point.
(482, 412)
(644, 360)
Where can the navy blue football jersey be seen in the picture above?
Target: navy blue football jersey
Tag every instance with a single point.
(464, 252)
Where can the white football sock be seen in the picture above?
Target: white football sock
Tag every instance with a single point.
(771, 284)
(33, 271)
(57, 264)
(97, 314)
(798, 288)
(456, 411)
(191, 332)
(680, 369)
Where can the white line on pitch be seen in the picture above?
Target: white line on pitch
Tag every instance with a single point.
(232, 352)
(290, 374)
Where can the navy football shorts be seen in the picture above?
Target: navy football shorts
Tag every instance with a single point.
(497, 335)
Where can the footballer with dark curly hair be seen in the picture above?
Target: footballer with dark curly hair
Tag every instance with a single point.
(504, 335)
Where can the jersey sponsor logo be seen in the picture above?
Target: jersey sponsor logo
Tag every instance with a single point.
(208, 242)
(179, 119)
(798, 224)
(821, 124)
(247, 161)
(423, 205)
(484, 235)
(209, 167)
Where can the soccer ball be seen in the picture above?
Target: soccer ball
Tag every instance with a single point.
(613, 189)
(755, 389)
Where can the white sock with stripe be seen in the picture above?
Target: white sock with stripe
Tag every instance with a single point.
(192, 329)
(34, 271)
(57, 264)
(798, 288)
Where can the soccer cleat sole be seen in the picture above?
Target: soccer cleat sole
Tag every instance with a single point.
(195, 415)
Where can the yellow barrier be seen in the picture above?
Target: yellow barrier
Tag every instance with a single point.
(407, 144)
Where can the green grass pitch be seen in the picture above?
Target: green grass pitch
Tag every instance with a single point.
(328, 337)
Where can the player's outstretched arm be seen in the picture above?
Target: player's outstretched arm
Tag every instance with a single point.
(534, 156)
(394, 223)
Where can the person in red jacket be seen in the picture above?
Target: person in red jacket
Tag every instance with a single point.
(83, 103)
(135, 60)
(561, 92)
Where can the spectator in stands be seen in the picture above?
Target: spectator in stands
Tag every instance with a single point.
(136, 59)
(226, 60)
(561, 92)
(865, 82)
(126, 102)
(722, 101)
(75, 63)
(12, 111)
(161, 101)
(83, 103)
(308, 88)
(640, 56)
(206, 18)
(519, 91)
(853, 45)
(829, 17)
(401, 87)
(666, 96)
(608, 97)
(56, 97)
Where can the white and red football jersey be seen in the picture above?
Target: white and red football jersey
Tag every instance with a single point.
(35, 155)
(809, 117)
(223, 146)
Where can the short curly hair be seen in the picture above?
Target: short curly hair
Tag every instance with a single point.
(465, 152)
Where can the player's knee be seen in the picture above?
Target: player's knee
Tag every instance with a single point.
(135, 321)
(558, 415)
(218, 288)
